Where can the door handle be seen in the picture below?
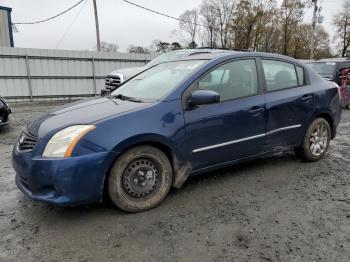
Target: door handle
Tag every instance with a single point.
(255, 111)
(306, 98)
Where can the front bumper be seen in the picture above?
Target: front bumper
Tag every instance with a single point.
(66, 182)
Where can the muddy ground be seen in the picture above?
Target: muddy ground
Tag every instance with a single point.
(275, 209)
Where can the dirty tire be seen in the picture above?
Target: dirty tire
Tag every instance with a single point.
(125, 184)
(305, 150)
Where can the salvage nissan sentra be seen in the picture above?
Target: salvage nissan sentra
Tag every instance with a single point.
(174, 120)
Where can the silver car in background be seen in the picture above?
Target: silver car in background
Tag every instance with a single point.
(118, 77)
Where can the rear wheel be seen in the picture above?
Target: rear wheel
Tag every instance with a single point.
(140, 179)
(316, 141)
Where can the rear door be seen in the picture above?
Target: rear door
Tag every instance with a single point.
(233, 128)
(289, 102)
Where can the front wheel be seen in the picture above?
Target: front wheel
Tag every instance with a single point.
(140, 179)
(316, 141)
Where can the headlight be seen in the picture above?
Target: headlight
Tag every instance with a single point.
(64, 141)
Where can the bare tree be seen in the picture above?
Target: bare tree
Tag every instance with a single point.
(175, 46)
(254, 24)
(292, 14)
(138, 49)
(211, 23)
(108, 47)
(265, 25)
(159, 46)
(216, 16)
(189, 24)
(224, 10)
(342, 28)
(322, 43)
(266, 14)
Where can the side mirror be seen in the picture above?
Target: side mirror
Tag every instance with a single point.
(203, 97)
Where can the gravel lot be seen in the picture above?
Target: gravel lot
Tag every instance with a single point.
(275, 209)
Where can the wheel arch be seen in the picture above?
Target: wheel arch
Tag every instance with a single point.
(323, 114)
(181, 167)
(330, 120)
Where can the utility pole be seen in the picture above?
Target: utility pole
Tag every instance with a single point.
(314, 22)
(97, 27)
(316, 19)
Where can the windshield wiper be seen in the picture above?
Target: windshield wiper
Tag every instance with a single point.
(128, 98)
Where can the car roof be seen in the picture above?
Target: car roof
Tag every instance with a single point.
(236, 54)
(204, 50)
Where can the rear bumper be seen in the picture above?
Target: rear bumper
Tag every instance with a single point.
(66, 181)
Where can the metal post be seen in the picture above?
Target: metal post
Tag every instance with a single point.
(94, 75)
(97, 27)
(314, 22)
(29, 78)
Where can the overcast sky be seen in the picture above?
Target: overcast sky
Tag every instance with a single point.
(119, 22)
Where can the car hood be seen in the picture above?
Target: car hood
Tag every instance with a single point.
(128, 73)
(81, 112)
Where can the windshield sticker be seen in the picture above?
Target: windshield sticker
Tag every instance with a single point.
(330, 63)
(181, 52)
(186, 67)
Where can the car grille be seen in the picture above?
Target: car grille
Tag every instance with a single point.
(113, 82)
(26, 142)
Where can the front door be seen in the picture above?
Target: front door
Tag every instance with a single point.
(235, 127)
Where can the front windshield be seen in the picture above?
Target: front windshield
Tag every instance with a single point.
(323, 68)
(172, 55)
(157, 81)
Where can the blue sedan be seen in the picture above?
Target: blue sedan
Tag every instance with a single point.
(172, 121)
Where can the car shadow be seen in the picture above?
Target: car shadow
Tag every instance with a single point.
(196, 183)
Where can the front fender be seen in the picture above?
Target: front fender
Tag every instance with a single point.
(147, 138)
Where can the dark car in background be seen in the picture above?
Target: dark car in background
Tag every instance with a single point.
(5, 111)
(118, 77)
(336, 70)
(175, 120)
(330, 68)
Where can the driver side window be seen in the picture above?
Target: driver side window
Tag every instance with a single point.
(232, 80)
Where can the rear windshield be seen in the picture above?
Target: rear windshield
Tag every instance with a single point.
(323, 68)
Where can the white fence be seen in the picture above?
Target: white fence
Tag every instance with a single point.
(41, 74)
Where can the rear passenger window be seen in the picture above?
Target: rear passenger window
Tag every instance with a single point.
(279, 75)
(301, 76)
